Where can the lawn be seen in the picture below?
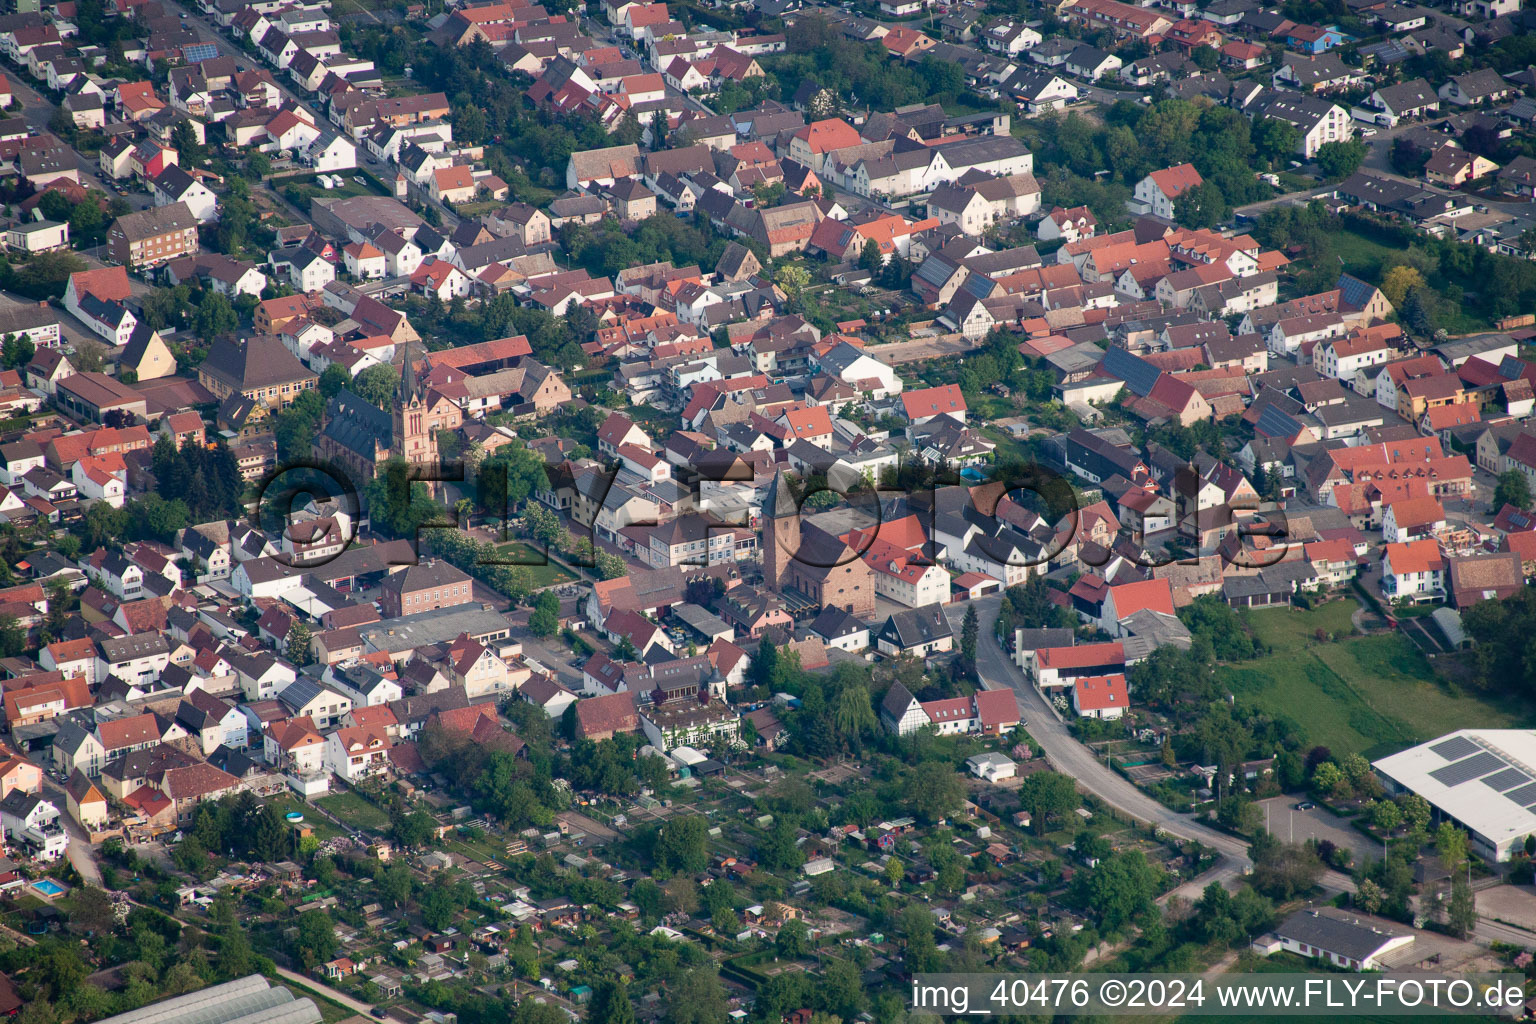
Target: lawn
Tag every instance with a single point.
(322, 827)
(355, 811)
(309, 186)
(1367, 694)
(1364, 258)
(330, 1011)
(545, 570)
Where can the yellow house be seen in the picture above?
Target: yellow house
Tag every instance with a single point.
(146, 356)
(87, 804)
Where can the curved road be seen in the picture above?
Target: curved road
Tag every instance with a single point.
(1070, 757)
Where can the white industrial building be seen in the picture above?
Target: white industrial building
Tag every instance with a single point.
(1483, 780)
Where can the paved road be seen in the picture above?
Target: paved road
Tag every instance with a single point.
(1070, 757)
(325, 990)
(38, 110)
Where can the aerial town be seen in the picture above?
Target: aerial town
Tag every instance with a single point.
(701, 513)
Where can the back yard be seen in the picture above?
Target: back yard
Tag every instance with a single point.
(1367, 694)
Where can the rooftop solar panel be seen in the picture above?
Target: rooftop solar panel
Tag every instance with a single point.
(1138, 374)
(1467, 770)
(1509, 778)
(1455, 747)
(1275, 422)
(1524, 795)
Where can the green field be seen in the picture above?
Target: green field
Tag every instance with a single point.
(529, 557)
(1368, 694)
(355, 811)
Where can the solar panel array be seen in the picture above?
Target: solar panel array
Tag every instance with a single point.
(199, 52)
(1455, 747)
(1509, 778)
(1466, 770)
(1276, 422)
(1470, 761)
(1138, 374)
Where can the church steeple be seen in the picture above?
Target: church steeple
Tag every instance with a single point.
(410, 385)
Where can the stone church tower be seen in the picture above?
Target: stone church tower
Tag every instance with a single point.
(781, 530)
(414, 438)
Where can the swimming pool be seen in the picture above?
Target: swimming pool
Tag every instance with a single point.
(48, 887)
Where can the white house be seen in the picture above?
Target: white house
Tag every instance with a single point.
(357, 751)
(294, 746)
(1413, 570)
(32, 822)
(1157, 192)
(1339, 937)
(1102, 697)
(98, 479)
(331, 152)
(991, 766)
(175, 185)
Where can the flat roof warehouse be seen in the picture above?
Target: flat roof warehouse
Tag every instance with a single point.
(1482, 779)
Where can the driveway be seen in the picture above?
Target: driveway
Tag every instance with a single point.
(82, 855)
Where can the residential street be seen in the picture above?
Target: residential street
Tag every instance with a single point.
(1070, 757)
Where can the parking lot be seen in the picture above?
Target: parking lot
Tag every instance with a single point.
(1293, 826)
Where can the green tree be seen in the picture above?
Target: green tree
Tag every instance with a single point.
(315, 942)
(215, 316)
(1203, 206)
(17, 351)
(1461, 910)
(1275, 140)
(1047, 795)
(13, 636)
(545, 620)
(93, 911)
(611, 1004)
(778, 850)
(1368, 896)
(1120, 890)
(1451, 845)
(969, 630)
(1386, 815)
(853, 716)
(794, 279)
(377, 384)
(682, 844)
(333, 380)
(1513, 489)
(793, 940)
(297, 644)
(1340, 159)
(869, 257)
(695, 997)
(935, 790)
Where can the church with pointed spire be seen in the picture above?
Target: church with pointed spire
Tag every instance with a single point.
(801, 558)
(362, 437)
